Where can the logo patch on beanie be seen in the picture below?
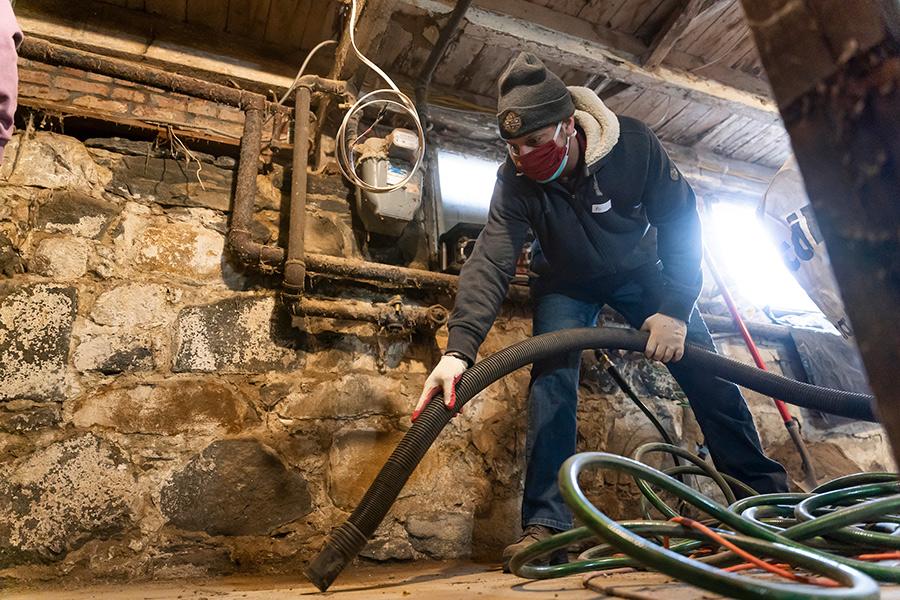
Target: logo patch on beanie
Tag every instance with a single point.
(512, 122)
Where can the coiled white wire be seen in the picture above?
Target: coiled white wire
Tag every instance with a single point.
(386, 97)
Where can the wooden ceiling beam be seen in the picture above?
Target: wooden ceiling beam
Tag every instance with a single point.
(556, 37)
(673, 29)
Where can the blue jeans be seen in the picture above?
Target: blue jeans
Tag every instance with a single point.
(719, 407)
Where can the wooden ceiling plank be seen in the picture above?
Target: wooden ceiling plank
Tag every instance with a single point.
(515, 34)
(316, 15)
(457, 59)
(676, 112)
(740, 139)
(490, 66)
(703, 37)
(620, 102)
(726, 139)
(671, 31)
(611, 89)
(390, 57)
(287, 20)
(687, 118)
(248, 17)
(714, 131)
(208, 13)
(171, 9)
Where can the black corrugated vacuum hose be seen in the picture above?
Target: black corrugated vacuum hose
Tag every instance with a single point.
(347, 540)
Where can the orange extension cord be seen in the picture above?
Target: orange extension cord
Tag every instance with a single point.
(752, 560)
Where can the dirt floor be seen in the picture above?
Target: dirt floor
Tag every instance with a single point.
(429, 580)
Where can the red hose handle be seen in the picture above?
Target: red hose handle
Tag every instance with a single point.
(745, 333)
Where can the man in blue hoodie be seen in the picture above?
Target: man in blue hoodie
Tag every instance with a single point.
(590, 185)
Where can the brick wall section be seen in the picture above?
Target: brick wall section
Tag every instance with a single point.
(41, 85)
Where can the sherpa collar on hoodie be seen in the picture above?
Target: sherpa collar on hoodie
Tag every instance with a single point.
(600, 125)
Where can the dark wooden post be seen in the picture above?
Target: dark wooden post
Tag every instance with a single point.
(834, 67)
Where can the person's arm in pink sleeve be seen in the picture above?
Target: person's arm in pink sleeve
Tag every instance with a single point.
(10, 38)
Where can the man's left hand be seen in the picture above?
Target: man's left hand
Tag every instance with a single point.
(667, 335)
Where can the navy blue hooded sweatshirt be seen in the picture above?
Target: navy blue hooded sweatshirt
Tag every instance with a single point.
(600, 232)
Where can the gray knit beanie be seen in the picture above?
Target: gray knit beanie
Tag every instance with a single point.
(531, 97)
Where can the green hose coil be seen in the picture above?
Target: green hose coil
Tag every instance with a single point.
(819, 532)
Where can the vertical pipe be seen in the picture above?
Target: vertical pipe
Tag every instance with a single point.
(295, 266)
(433, 217)
(245, 192)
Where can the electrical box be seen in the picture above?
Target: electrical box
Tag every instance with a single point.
(387, 161)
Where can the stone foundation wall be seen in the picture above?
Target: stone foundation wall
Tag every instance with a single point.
(161, 417)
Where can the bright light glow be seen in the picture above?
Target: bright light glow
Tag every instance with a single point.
(749, 260)
(467, 183)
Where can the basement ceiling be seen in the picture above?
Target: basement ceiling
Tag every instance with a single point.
(703, 87)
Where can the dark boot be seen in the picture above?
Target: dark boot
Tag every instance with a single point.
(531, 535)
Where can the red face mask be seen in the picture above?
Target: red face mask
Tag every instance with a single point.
(547, 161)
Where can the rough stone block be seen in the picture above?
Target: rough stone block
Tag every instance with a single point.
(172, 182)
(62, 496)
(76, 213)
(235, 487)
(20, 416)
(354, 461)
(390, 542)
(35, 328)
(114, 353)
(154, 243)
(10, 260)
(136, 305)
(353, 395)
(441, 535)
(325, 235)
(246, 334)
(15, 205)
(169, 407)
(61, 257)
(181, 249)
(52, 161)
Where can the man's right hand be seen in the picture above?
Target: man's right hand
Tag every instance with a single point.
(443, 377)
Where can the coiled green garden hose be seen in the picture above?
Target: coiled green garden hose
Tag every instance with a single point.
(820, 532)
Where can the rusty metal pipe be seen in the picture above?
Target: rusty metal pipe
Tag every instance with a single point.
(345, 268)
(267, 258)
(394, 316)
(295, 265)
(54, 54)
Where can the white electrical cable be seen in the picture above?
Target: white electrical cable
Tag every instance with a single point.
(309, 56)
(386, 97)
